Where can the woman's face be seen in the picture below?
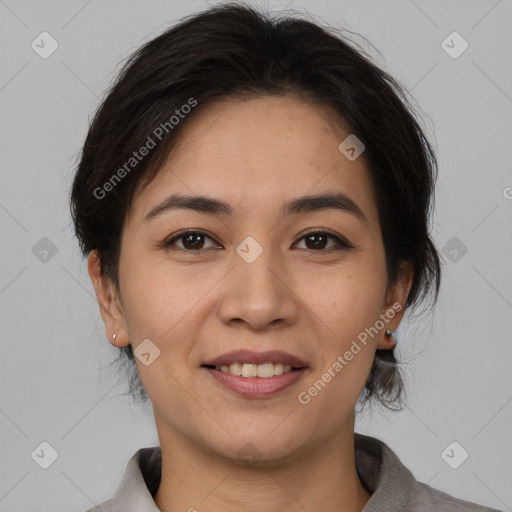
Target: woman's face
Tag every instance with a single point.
(255, 280)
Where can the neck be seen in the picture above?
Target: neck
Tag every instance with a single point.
(325, 478)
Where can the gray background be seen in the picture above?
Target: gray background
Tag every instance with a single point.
(53, 344)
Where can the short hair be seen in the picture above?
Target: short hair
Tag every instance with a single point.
(235, 51)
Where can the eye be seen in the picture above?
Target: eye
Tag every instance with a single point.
(191, 240)
(316, 241)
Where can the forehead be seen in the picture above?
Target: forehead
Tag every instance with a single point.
(257, 154)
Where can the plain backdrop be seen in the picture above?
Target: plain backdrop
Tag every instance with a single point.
(52, 339)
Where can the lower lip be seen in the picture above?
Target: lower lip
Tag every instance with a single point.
(257, 387)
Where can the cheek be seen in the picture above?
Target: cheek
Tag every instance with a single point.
(346, 306)
(162, 305)
(347, 351)
(346, 300)
(156, 297)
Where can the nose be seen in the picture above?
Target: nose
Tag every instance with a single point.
(259, 295)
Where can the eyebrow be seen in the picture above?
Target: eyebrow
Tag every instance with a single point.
(210, 205)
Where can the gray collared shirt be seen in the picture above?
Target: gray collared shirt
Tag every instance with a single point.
(392, 486)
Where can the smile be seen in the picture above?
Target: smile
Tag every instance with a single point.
(264, 371)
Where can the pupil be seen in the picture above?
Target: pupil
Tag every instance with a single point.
(194, 244)
(316, 245)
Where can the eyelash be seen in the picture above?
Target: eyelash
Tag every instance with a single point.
(342, 243)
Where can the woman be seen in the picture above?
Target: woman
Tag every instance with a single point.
(253, 196)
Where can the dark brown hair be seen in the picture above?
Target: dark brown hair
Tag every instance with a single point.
(235, 51)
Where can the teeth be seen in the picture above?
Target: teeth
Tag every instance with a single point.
(264, 371)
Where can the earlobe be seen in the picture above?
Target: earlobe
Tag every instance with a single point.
(120, 341)
(394, 307)
(388, 342)
(110, 310)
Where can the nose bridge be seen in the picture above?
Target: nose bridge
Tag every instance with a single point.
(257, 292)
(256, 266)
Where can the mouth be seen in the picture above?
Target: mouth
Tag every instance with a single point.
(250, 370)
(256, 374)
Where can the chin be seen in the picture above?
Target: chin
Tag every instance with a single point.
(258, 449)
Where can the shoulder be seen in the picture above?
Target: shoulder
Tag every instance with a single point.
(138, 485)
(428, 498)
(394, 488)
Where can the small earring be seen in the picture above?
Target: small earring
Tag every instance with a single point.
(388, 332)
(114, 337)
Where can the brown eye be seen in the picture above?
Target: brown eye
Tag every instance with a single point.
(190, 241)
(317, 241)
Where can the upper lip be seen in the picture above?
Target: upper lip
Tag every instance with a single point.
(250, 357)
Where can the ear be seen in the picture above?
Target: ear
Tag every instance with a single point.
(110, 308)
(394, 304)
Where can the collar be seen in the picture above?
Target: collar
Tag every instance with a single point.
(390, 483)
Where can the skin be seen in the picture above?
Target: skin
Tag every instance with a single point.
(255, 155)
